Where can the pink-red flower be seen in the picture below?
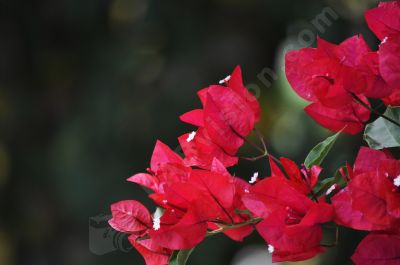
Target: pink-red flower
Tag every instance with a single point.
(292, 222)
(228, 115)
(166, 167)
(330, 76)
(371, 201)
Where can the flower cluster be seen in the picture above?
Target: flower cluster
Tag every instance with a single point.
(371, 202)
(196, 196)
(336, 78)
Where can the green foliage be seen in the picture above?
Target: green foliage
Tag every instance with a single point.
(180, 257)
(319, 152)
(383, 133)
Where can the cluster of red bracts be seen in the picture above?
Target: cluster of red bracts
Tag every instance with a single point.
(196, 196)
(196, 193)
(198, 201)
(371, 202)
(335, 77)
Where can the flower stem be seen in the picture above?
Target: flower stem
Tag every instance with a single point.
(233, 226)
(362, 103)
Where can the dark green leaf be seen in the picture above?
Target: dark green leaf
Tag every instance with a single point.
(382, 133)
(319, 152)
(180, 257)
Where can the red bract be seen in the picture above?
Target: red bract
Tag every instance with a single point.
(241, 189)
(152, 253)
(302, 180)
(228, 115)
(201, 151)
(389, 62)
(372, 199)
(378, 249)
(130, 217)
(166, 167)
(351, 118)
(292, 222)
(206, 199)
(384, 20)
(329, 75)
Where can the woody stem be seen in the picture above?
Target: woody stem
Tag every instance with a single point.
(362, 103)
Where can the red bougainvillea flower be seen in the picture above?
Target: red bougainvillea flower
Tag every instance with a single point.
(371, 200)
(378, 249)
(132, 217)
(328, 76)
(303, 180)
(292, 222)
(200, 150)
(205, 200)
(384, 21)
(166, 167)
(228, 115)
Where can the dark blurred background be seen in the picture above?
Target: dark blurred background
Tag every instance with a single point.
(86, 88)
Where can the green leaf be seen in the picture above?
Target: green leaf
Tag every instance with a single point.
(319, 152)
(382, 133)
(322, 186)
(180, 257)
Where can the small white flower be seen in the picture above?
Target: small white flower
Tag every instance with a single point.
(271, 249)
(226, 79)
(396, 181)
(332, 188)
(384, 40)
(156, 218)
(156, 223)
(246, 191)
(254, 178)
(191, 137)
(164, 201)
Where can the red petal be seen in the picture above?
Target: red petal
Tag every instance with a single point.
(350, 119)
(145, 180)
(295, 178)
(384, 19)
(296, 63)
(162, 154)
(152, 254)
(201, 151)
(347, 216)
(236, 83)
(291, 243)
(130, 217)
(219, 186)
(275, 170)
(194, 117)
(368, 160)
(378, 249)
(183, 235)
(219, 130)
(389, 59)
(367, 197)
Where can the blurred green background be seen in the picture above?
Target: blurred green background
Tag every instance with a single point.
(86, 88)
